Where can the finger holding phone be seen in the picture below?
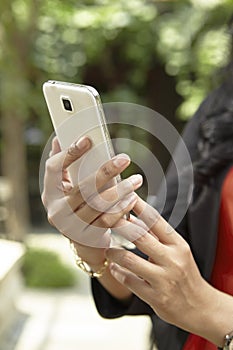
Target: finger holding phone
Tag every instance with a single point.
(91, 236)
(66, 202)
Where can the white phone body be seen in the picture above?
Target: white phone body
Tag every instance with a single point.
(81, 115)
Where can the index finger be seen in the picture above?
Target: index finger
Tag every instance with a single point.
(144, 241)
(155, 222)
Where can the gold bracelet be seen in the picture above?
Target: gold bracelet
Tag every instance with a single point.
(86, 268)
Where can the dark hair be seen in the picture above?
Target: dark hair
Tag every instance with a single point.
(216, 133)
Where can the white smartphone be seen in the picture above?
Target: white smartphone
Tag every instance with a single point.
(75, 111)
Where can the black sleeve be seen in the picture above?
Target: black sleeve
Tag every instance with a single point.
(110, 307)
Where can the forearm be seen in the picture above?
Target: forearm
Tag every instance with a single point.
(214, 316)
(116, 289)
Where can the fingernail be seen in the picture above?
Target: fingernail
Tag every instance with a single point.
(82, 143)
(136, 179)
(111, 266)
(120, 160)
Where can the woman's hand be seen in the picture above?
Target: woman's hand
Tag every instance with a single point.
(84, 212)
(169, 281)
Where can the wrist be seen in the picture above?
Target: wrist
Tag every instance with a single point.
(221, 317)
(94, 257)
(93, 273)
(228, 342)
(213, 317)
(94, 269)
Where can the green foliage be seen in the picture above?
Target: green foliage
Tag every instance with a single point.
(189, 38)
(44, 269)
(194, 42)
(64, 39)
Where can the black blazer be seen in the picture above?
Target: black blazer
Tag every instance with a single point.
(199, 227)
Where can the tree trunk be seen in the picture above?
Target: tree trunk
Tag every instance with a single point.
(15, 77)
(14, 168)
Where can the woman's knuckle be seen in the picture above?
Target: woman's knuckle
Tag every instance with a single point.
(107, 170)
(49, 165)
(121, 206)
(126, 280)
(95, 203)
(50, 220)
(127, 260)
(124, 187)
(185, 249)
(76, 192)
(54, 164)
(143, 238)
(44, 199)
(105, 220)
(155, 219)
(163, 301)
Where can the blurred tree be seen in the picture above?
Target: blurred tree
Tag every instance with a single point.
(18, 25)
(162, 54)
(194, 42)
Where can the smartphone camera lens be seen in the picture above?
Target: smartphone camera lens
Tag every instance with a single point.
(67, 104)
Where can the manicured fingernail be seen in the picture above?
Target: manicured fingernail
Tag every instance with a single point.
(120, 160)
(136, 179)
(82, 143)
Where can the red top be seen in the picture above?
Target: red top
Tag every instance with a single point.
(222, 275)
